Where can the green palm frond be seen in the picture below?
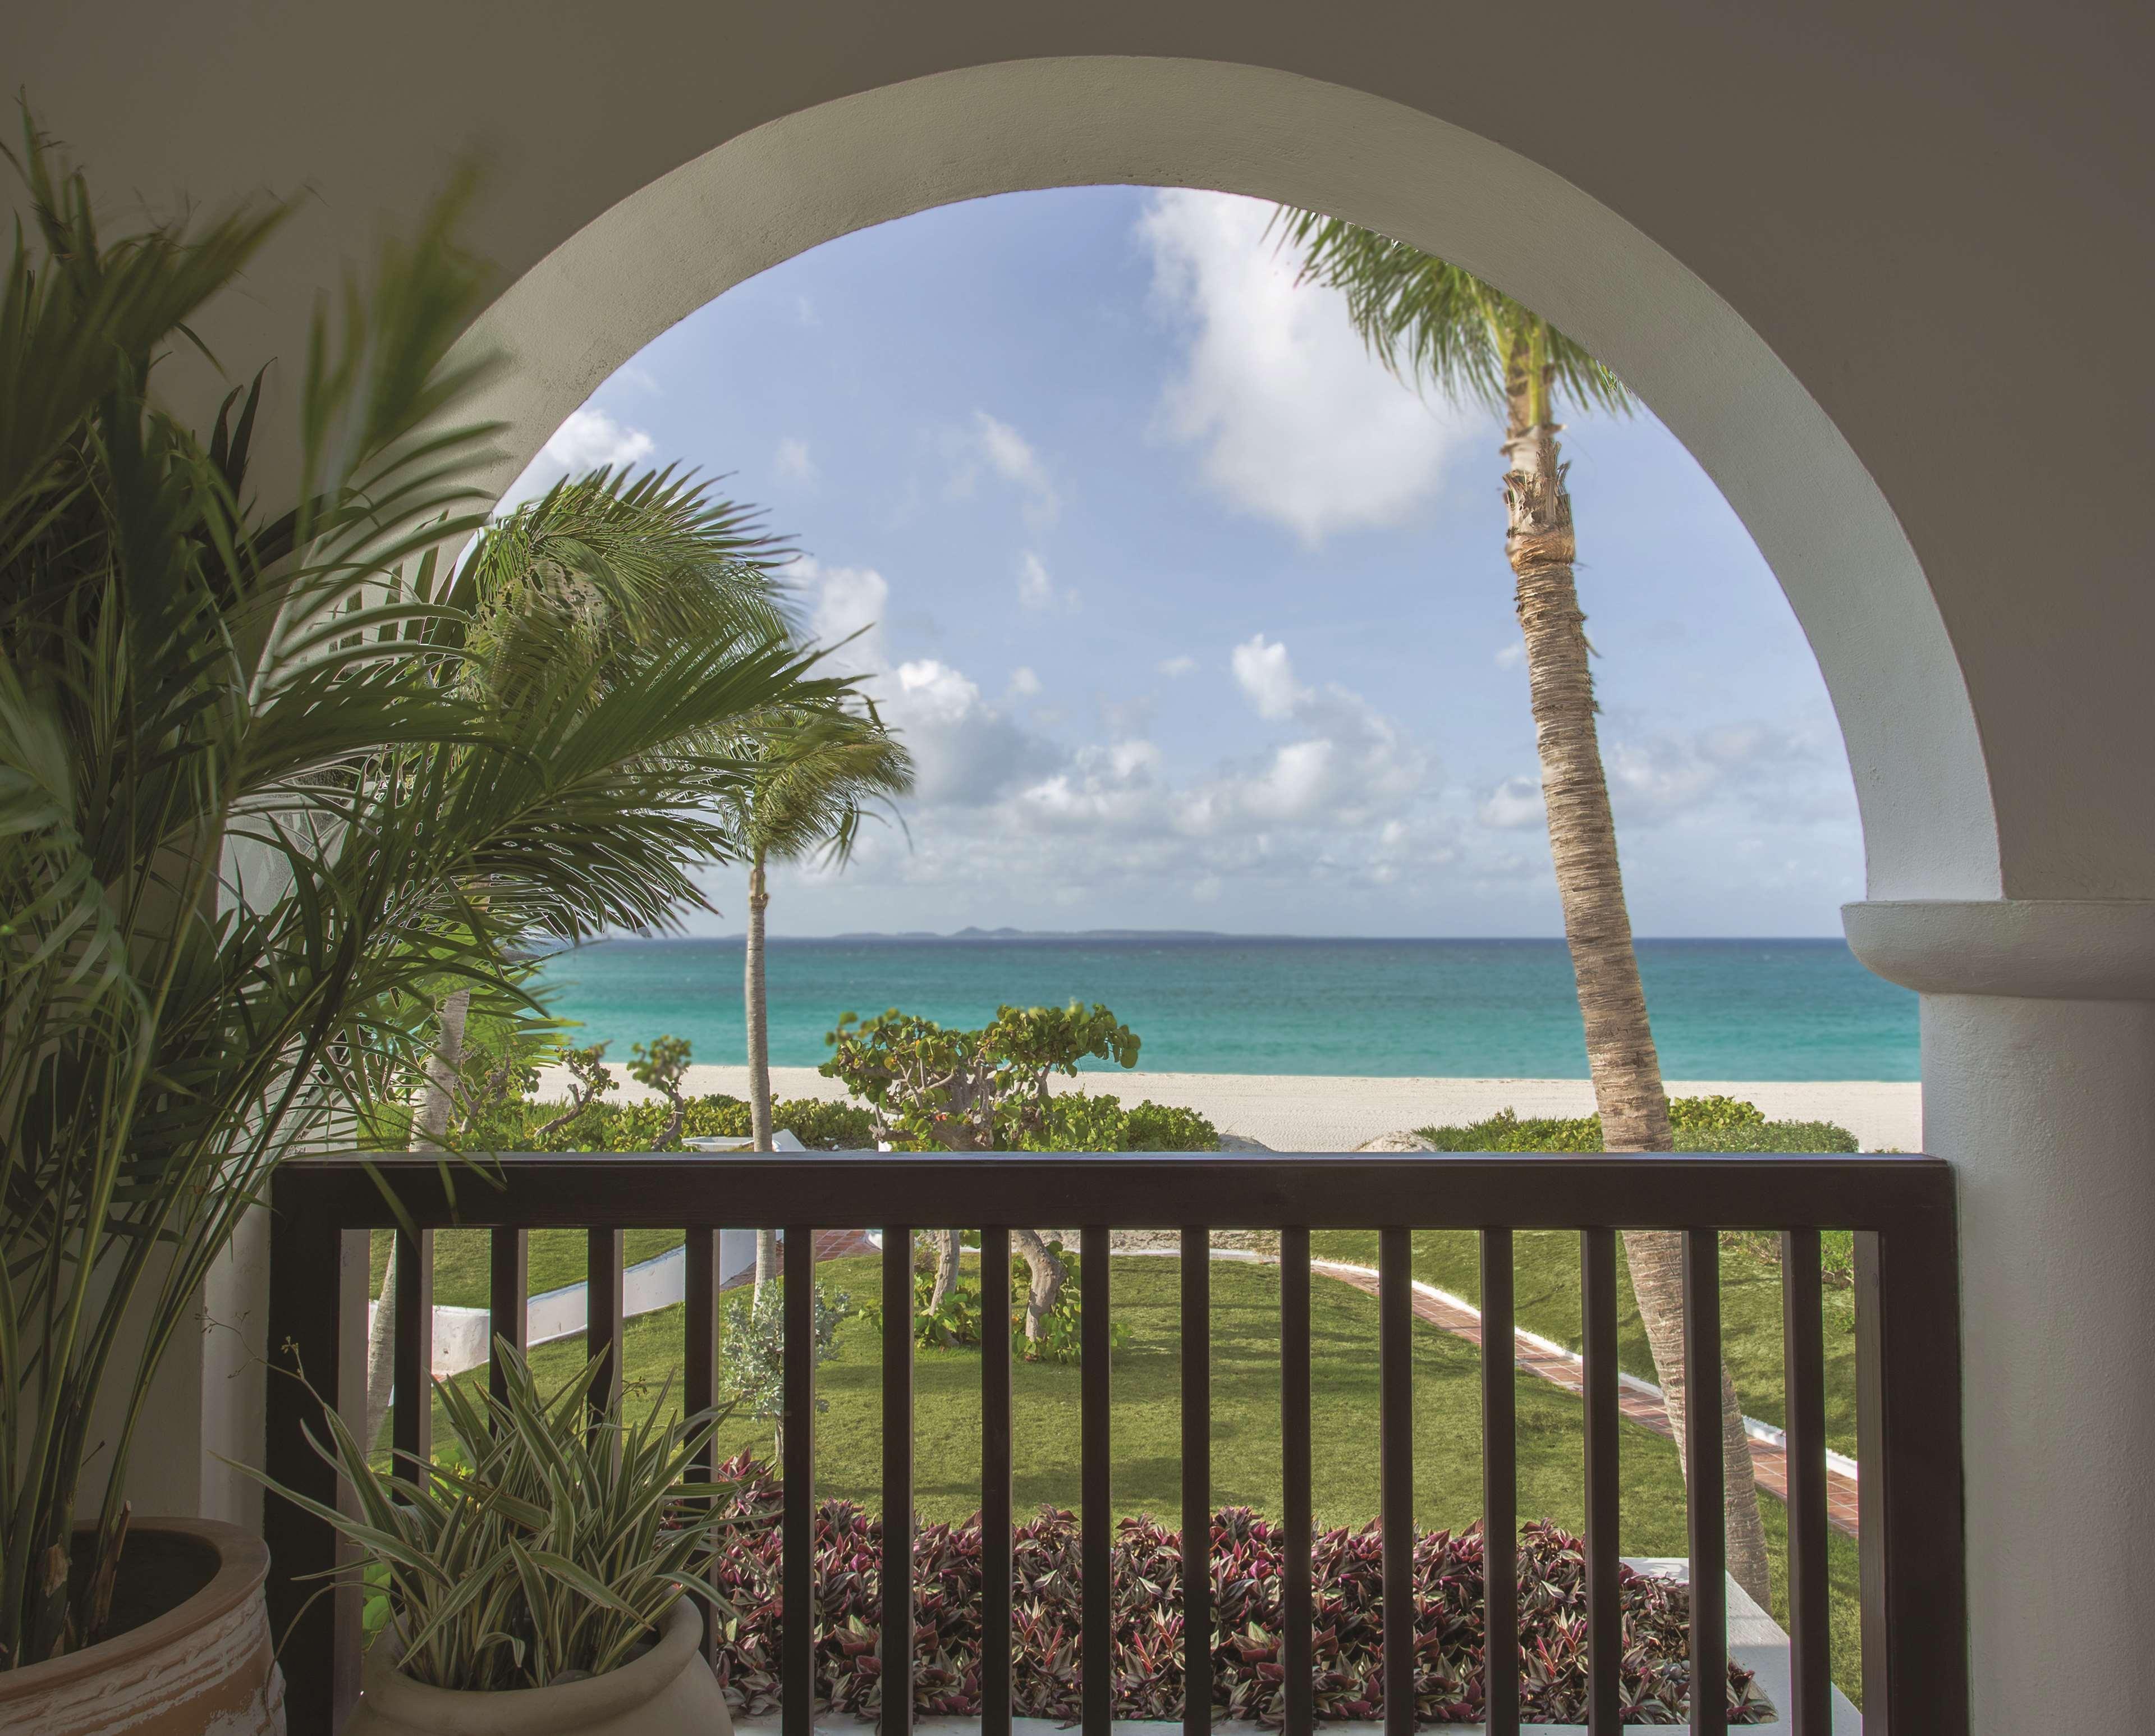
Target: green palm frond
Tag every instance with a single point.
(628, 561)
(817, 774)
(256, 803)
(1430, 321)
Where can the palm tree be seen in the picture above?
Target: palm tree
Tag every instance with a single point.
(818, 773)
(252, 811)
(594, 574)
(1428, 320)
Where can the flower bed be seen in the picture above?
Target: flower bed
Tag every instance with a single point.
(1347, 1587)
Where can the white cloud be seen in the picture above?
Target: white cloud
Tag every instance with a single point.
(1674, 771)
(589, 440)
(1722, 775)
(1341, 796)
(792, 459)
(1295, 421)
(1011, 456)
(1036, 590)
(1176, 666)
(1514, 805)
(1511, 656)
(965, 751)
(1266, 677)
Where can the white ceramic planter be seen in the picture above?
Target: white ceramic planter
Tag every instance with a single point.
(669, 1690)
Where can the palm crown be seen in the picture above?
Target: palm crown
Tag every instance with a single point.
(1428, 319)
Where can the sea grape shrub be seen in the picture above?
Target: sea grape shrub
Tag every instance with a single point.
(958, 1323)
(1160, 1127)
(1698, 1124)
(637, 1127)
(931, 1087)
(1247, 1591)
(1081, 1121)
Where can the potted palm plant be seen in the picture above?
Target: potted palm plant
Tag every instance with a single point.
(255, 809)
(540, 1581)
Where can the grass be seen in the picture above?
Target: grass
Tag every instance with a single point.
(1245, 1464)
(1545, 1266)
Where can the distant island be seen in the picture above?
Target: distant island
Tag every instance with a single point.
(979, 934)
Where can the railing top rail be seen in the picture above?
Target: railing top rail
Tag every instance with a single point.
(1131, 1190)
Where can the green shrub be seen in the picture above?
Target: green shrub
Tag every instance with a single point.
(957, 1322)
(1699, 1124)
(1159, 1127)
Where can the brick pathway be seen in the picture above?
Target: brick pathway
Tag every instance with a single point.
(1640, 1403)
(830, 1245)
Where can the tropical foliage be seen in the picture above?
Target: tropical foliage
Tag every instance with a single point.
(954, 1319)
(269, 781)
(753, 1363)
(1248, 1579)
(553, 1550)
(1699, 1124)
(930, 1088)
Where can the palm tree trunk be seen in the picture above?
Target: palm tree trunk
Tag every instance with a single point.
(430, 1126)
(755, 1008)
(1619, 1041)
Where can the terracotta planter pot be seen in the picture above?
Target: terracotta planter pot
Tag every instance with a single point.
(669, 1690)
(191, 1656)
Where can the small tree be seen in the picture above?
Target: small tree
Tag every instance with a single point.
(756, 1349)
(589, 1079)
(985, 1090)
(661, 1067)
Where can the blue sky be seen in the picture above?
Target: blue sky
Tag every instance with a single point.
(1196, 618)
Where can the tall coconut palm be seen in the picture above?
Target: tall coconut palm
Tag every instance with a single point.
(1432, 323)
(593, 575)
(819, 772)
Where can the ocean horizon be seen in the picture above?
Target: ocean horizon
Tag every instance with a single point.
(1733, 1009)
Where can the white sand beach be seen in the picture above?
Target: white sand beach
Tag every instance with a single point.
(1331, 1113)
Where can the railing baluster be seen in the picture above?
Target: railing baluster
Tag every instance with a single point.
(602, 1315)
(995, 1482)
(1908, 1441)
(1196, 1482)
(1803, 1400)
(699, 1352)
(1705, 1500)
(1097, 1529)
(897, 1719)
(318, 1296)
(1604, 1608)
(1296, 1643)
(508, 1301)
(1500, 1491)
(412, 1357)
(797, 1653)
(1396, 1471)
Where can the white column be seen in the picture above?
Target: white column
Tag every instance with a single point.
(2038, 1086)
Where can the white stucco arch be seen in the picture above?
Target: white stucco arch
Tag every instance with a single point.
(1931, 223)
(1824, 528)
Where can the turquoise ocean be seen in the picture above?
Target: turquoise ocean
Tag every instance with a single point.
(1740, 1010)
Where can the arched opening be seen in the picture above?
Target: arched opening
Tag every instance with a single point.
(1817, 518)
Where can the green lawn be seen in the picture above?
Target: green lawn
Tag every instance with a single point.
(1245, 1465)
(1545, 1278)
(1546, 1266)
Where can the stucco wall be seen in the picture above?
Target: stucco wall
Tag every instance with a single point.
(1935, 219)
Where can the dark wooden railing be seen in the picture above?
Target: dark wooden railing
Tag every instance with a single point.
(1914, 1601)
